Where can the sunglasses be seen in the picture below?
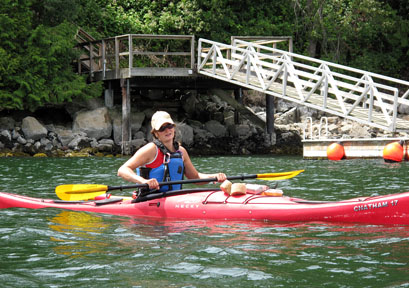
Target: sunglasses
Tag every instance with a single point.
(167, 126)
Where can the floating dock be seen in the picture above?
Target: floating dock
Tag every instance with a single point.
(354, 148)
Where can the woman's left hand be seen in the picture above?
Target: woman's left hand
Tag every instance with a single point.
(221, 177)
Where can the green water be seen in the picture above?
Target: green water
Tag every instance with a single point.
(55, 248)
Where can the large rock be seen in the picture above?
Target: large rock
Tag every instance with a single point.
(117, 130)
(5, 138)
(137, 143)
(79, 142)
(229, 117)
(202, 137)
(189, 105)
(216, 128)
(33, 129)
(288, 117)
(359, 131)
(241, 131)
(90, 104)
(283, 106)
(95, 123)
(403, 109)
(105, 145)
(137, 119)
(186, 134)
(7, 123)
(116, 117)
(65, 136)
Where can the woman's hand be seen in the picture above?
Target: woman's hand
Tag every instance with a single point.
(221, 177)
(152, 183)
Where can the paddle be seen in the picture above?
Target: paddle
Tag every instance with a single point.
(76, 192)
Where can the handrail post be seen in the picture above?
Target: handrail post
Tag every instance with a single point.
(104, 60)
(91, 60)
(79, 65)
(305, 128)
(324, 102)
(100, 61)
(371, 102)
(395, 109)
(192, 52)
(248, 67)
(199, 53)
(285, 77)
(116, 57)
(290, 45)
(126, 114)
(130, 59)
(214, 58)
(326, 127)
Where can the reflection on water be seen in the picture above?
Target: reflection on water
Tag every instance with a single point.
(78, 233)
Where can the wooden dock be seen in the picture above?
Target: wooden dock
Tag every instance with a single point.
(169, 62)
(152, 62)
(139, 61)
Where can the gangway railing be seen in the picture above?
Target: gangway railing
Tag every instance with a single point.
(362, 96)
(310, 134)
(308, 120)
(322, 120)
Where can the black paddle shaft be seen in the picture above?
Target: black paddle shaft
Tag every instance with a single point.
(188, 181)
(160, 184)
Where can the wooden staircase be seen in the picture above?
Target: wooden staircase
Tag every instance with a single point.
(91, 48)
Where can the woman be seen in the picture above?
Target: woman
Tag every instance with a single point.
(163, 159)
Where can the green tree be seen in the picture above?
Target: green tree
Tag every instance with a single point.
(367, 34)
(36, 59)
(37, 36)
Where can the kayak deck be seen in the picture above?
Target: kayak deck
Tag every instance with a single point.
(214, 204)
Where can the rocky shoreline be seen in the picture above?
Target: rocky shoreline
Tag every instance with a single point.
(206, 126)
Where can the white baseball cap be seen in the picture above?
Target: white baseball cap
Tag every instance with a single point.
(160, 118)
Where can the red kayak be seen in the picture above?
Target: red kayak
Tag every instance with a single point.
(215, 204)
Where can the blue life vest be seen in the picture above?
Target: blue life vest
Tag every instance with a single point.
(171, 168)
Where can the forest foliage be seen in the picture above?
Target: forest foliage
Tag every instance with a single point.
(37, 37)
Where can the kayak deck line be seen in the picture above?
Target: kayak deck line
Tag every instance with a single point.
(314, 202)
(97, 202)
(70, 202)
(108, 201)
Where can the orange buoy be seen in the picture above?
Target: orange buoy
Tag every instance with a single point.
(335, 151)
(393, 152)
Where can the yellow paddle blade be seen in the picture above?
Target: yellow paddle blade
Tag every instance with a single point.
(76, 192)
(279, 175)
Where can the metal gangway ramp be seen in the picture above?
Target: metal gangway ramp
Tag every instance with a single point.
(354, 94)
